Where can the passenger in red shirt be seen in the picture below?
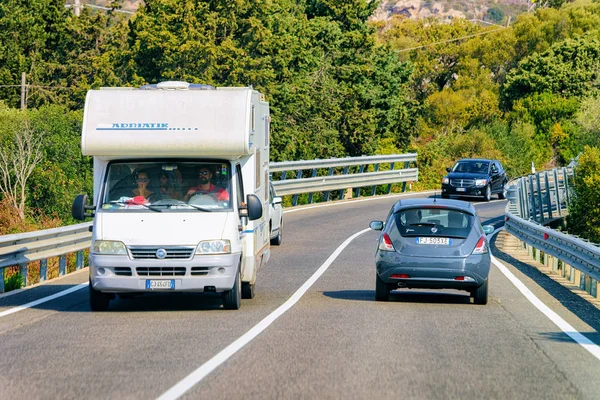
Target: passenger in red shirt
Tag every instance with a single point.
(206, 187)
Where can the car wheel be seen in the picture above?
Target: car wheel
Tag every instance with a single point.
(98, 301)
(277, 239)
(480, 295)
(502, 194)
(382, 291)
(232, 299)
(247, 290)
(488, 193)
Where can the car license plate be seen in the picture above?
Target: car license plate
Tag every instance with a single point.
(434, 240)
(461, 189)
(162, 284)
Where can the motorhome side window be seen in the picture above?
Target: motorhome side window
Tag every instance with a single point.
(168, 186)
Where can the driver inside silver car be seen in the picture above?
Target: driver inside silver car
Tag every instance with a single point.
(206, 187)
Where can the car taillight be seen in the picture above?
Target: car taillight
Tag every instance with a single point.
(385, 243)
(481, 246)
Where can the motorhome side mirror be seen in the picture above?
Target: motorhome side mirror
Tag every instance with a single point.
(254, 205)
(376, 225)
(79, 208)
(277, 200)
(448, 169)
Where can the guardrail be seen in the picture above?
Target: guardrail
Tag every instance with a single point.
(322, 178)
(535, 200)
(24, 248)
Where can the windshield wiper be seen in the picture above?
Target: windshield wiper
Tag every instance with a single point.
(122, 203)
(199, 208)
(423, 224)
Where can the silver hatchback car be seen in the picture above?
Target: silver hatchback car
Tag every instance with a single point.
(434, 244)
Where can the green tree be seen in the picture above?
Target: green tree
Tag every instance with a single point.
(584, 210)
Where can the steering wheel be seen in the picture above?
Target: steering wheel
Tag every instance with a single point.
(204, 199)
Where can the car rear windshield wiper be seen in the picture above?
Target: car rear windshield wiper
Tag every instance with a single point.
(423, 224)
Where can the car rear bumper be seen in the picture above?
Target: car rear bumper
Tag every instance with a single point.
(466, 191)
(433, 273)
(120, 274)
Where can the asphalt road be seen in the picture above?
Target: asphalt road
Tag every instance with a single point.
(334, 342)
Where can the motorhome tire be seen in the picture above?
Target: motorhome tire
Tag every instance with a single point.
(98, 301)
(232, 299)
(247, 290)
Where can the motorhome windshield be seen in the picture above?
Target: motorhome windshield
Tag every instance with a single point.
(168, 186)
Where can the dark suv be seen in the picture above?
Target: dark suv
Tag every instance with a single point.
(474, 177)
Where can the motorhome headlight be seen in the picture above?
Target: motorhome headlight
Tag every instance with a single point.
(480, 182)
(109, 247)
(214, 247)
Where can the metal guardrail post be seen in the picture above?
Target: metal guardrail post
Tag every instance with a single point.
(341, 196)
(540, 200)
(79, 260)
(24, 271)
(374, 188)
(330, 173)
(532, 199)
(566, 183)
(62, 265)
(43, 270)
(357, 190)
(295, 198)
(406, 165)
(310, 195)
(524, 199)
(2, 275)
(548, 198)
(389, 188)
(557, 193)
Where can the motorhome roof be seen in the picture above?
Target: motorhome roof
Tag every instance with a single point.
(173, 122)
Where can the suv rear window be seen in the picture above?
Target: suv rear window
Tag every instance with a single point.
(440, 222)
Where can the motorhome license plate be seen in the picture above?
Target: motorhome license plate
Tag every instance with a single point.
(162, 284)
(433, 240)
(461, 189)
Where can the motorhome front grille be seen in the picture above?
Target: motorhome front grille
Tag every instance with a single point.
(160, 271)
(161, 253)
(123, 271)
(200, 271)
(462, 182)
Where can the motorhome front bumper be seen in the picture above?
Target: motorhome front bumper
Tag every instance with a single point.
(117, 274)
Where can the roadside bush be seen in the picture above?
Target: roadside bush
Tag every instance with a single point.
(584, 210)
(13, 282)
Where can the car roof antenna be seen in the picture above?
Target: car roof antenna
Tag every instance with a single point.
(434, 196)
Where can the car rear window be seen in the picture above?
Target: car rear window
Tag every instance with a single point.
(440, 222)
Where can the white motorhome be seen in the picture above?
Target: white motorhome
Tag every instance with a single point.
(181, 190)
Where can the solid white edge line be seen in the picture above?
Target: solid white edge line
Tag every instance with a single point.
(43, 300)
(195, 377)
(564, 326)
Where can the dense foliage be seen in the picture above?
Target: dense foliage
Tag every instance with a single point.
(338, 84)
(584, 210)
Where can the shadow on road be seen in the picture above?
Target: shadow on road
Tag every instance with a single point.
(571, 301)
(564, 338)
(77, 301)
(402, 296)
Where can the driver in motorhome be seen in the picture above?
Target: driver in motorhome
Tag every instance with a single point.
(206, 186)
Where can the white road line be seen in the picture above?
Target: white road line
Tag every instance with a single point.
(195, 377)
(42, 300)
(554, 317)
